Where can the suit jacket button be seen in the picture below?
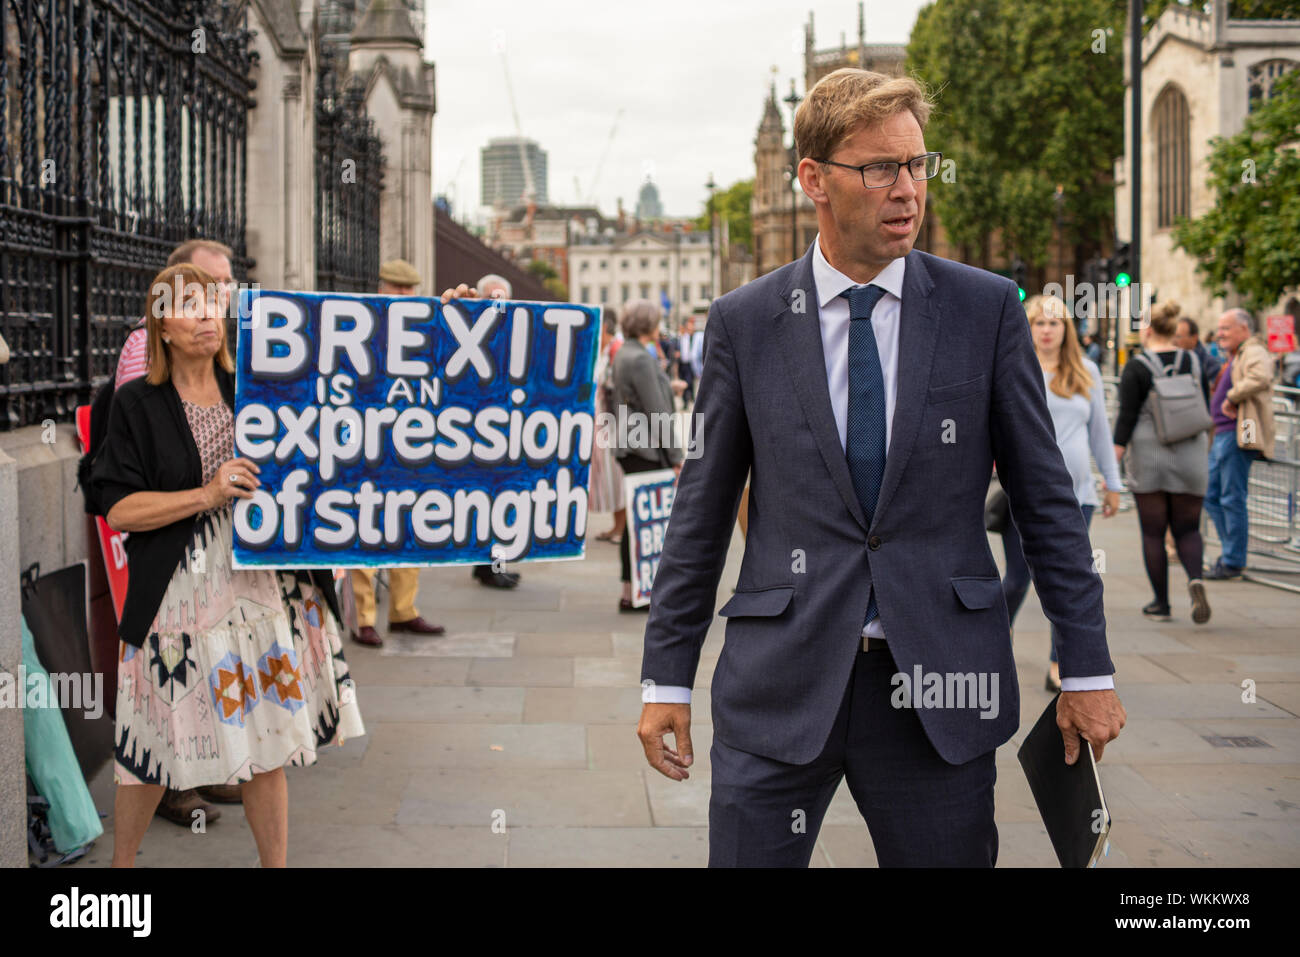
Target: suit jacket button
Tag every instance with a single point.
(873, 542)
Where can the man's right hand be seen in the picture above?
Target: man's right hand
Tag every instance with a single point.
(658, 720)
(463, 291)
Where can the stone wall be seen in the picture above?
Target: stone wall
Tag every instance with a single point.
(13, 787)
(42, 519)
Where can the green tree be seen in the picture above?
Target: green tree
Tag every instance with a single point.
(542, 269)
(1264, 10)
(733, 206)
(1029, 98)
(1248, 238)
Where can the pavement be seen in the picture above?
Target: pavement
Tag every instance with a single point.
(511, 740)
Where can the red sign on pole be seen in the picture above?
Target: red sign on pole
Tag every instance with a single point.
(1281, 333)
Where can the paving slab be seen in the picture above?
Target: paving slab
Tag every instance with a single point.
(472, 704)
(609, 847)
(371, 668)
(464, 645)
(403, 703)
(566, 645)
(590, 705)
(390, 845)
(426, 746)
(544, 672)
(1231, 792)
(1200, 700)
(525, 798)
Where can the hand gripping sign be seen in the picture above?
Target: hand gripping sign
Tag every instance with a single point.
(394, 430)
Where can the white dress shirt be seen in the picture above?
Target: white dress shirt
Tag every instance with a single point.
(833, 312)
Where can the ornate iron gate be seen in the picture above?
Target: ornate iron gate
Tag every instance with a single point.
(122, 133)
(349, 179)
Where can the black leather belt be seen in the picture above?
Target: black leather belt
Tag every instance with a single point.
(874, 644)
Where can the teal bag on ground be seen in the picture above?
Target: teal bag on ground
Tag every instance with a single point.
(51, 761)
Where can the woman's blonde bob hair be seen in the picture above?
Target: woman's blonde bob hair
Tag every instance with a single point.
(1072, 376)
(168, 292)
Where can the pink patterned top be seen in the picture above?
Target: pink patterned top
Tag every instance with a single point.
(134, 360)
(213, 428)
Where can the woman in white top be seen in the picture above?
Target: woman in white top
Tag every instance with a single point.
(1078, 408)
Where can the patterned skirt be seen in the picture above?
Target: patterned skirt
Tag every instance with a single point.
(242, 672)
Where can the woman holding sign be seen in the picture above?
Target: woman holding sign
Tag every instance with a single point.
(643, 398)
(225, 675)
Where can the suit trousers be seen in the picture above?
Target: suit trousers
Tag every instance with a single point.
(403, 584)
(920, 810)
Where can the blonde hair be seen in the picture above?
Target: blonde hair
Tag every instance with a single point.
(842, 101)
(1163, 318)
(167, 293)
(1072, 376)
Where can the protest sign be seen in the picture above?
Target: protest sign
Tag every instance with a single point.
(395, 431)
(1281, 333)
(649, 497)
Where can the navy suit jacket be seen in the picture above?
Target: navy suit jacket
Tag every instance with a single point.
(969, 390)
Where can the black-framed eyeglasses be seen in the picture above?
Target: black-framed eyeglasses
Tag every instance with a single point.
(880, 175)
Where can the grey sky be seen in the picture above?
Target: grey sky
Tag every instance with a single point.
(690, 76)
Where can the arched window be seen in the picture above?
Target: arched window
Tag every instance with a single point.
(1261, 78)
(1173, 156)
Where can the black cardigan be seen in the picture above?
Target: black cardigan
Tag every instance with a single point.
(149, 448)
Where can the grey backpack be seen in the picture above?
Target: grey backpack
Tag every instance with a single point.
(1177, 403)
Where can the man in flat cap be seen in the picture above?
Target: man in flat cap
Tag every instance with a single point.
(397, 277)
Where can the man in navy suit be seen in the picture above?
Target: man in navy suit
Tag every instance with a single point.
(866, 390)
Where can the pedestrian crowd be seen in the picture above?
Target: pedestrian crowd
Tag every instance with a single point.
(1192, 418)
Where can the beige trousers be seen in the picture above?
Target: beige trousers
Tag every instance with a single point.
(403, 584)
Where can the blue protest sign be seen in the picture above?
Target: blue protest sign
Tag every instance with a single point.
(393, 430)
(649, 497)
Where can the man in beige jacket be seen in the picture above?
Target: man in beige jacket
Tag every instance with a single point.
(1242, 409)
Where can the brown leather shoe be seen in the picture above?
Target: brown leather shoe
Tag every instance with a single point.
(416, 625)
(368, 636)
(222, 793)
(179, 807)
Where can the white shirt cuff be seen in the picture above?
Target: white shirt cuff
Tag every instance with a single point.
(652, 693)
(1096, 683)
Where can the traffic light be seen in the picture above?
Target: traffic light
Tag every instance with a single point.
(1121, 265)
(1018, 272)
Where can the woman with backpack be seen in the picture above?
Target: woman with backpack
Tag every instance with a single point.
(1160, 438)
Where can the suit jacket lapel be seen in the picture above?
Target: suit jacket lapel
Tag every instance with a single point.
(917, 336)
(801, 340)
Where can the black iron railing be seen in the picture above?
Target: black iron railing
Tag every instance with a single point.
(122, 133)
(349, 180)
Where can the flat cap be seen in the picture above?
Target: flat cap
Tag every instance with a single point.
(399, 272)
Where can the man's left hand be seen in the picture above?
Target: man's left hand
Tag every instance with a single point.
(1229, 409)
(1095, 716)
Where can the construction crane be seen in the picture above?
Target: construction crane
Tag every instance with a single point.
(600, 165)
(530, 191)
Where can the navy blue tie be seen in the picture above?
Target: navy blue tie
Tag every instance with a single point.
(865, 436)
